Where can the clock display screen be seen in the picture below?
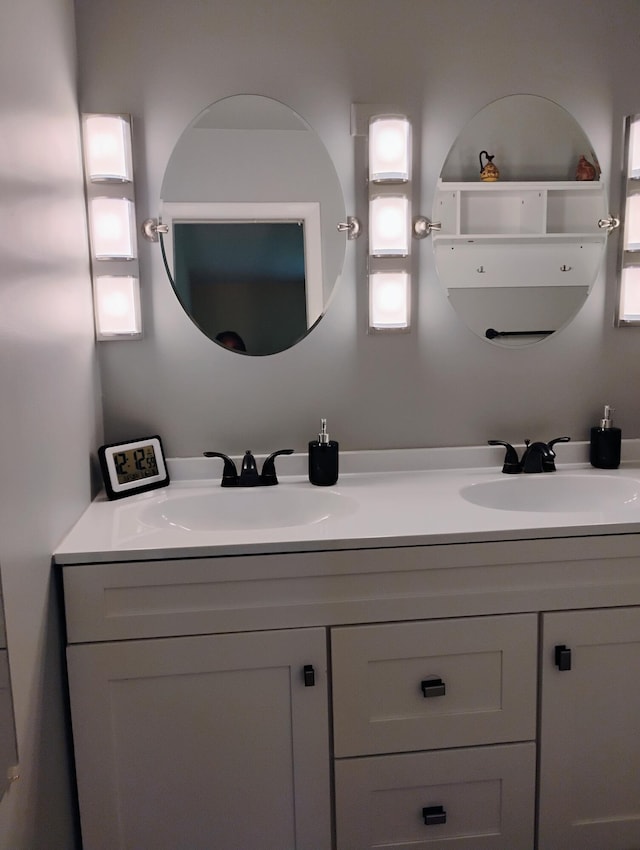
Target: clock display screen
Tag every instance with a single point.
(135, 464)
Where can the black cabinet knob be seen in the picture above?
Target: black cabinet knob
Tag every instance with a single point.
(434, 815)
(433, 687)
(309, 675)
(562, 657)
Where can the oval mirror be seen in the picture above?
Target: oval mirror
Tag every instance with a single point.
(252, 201)
(8, 742)
(519, 250)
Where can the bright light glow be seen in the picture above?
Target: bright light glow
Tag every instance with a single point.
(633, 166)
(117, 307)
(389, 149)
(107, 144)
(388, 300)
(632, 224)
(629, 309)
(389, 226)
(113, 233)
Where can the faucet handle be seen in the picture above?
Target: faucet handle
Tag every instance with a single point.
(229, 472)
(511, 463)
(548, 463)
(552, 443)
(269, 476)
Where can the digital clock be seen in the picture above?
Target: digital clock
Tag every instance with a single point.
(133, 467)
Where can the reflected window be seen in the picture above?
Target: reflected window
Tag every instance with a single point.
(255, 269)
(249, 276)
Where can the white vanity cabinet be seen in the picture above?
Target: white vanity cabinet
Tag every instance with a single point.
(590, 730)
(433, 665)
(215, 741)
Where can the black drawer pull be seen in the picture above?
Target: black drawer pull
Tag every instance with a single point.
(434, 815)
(309, 675)
(562, 656)
(433, 688)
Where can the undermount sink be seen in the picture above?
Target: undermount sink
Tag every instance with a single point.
(247, 508)
(555, 493)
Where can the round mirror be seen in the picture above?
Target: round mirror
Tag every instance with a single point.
(519, 200)
(252, 201)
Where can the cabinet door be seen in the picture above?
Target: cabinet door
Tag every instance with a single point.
(590, 732)
(203, 742)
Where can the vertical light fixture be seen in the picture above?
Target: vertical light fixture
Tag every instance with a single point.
(389, 223)
(628, 307)
(112, 225)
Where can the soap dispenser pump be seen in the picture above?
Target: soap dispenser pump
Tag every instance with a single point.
(606, 442)
(323, 458)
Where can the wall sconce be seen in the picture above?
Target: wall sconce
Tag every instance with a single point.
(112, 229)
(389, 300)
(391, 227)
(628, 307)
(389, 261)
(632, 223)
(117, 306)
(630, 295)
(107, 147)
(112, 224)
(389, 149)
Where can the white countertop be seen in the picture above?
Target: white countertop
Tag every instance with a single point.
(393, 498)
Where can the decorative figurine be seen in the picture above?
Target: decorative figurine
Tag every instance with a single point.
(585, 170)
(488, 172)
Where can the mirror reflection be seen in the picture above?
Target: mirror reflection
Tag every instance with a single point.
(252, 202)
(8, 743)
(519, 198)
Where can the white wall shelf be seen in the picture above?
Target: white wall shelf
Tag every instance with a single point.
(519, 209)
(519, 234)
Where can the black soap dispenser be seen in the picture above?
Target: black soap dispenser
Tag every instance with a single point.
(606, 442)
(323, 458)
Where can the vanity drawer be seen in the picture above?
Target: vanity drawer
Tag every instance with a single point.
(476, 799)
(401, 687)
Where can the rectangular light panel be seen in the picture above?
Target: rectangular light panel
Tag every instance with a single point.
(113, 234)
(389, 149)
(389, 226)
(107, 145)
(389, 300)
(117, 307)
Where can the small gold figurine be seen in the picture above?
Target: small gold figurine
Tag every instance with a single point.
(488, 172)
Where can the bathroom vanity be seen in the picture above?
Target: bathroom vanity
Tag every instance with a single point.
(403, 668)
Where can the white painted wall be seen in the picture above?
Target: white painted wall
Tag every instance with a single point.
(165, 61)
(49, 411)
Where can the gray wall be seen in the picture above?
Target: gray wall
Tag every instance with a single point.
(164, 61)
(48, 416)
(439, 385)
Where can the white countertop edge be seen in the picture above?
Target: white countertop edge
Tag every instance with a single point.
(340, 545)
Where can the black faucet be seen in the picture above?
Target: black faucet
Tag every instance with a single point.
(249, 476)
(537, 457)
